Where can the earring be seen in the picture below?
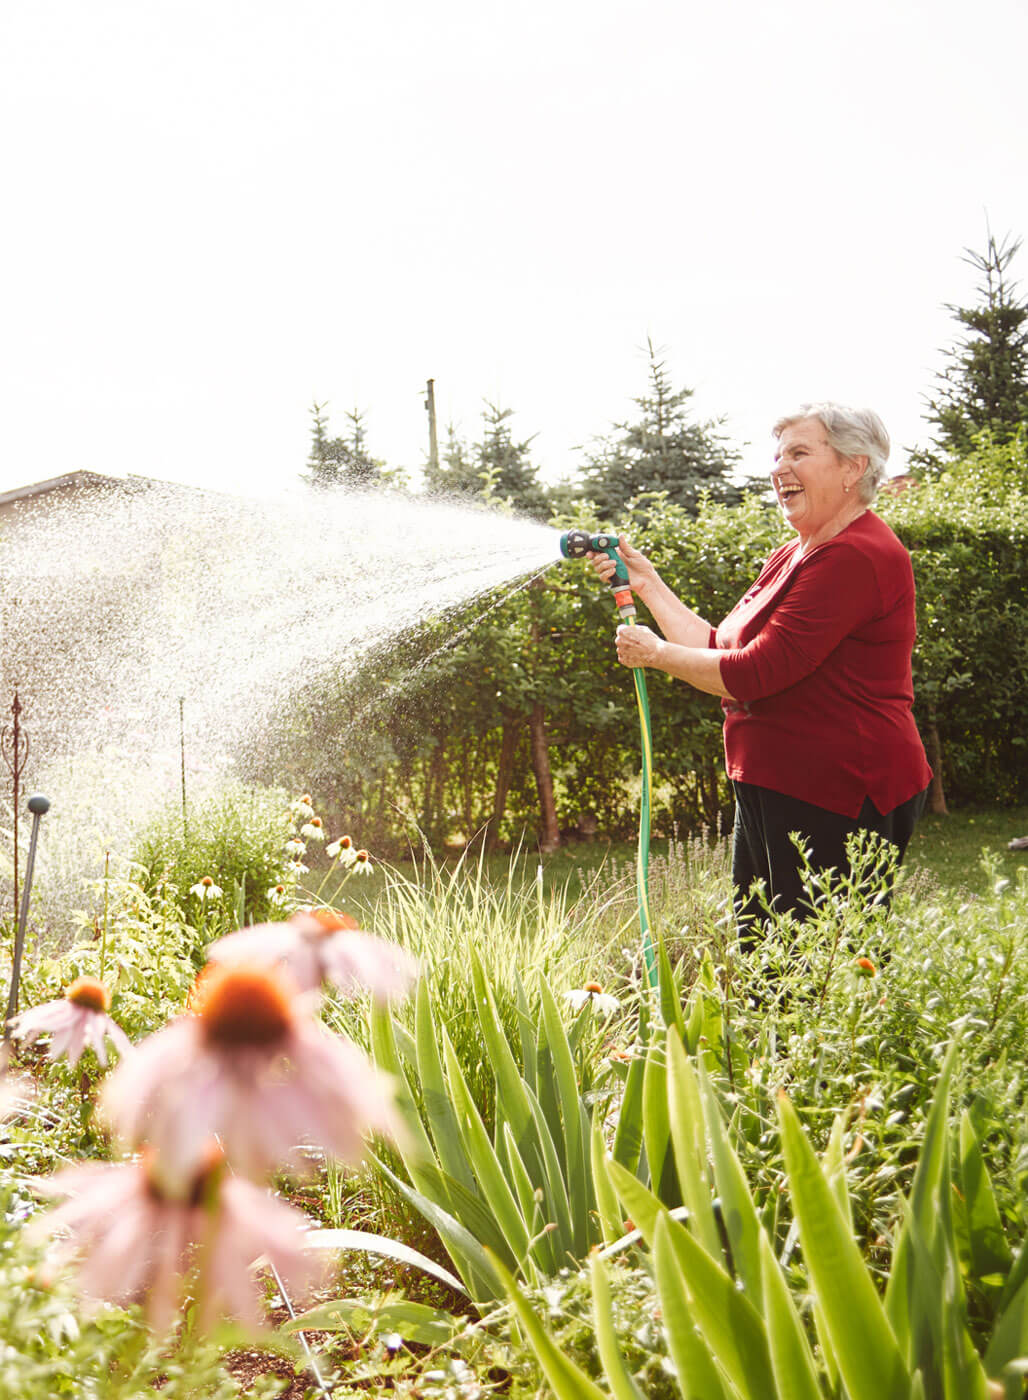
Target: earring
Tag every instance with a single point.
(846, 489)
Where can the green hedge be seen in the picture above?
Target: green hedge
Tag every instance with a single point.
(430, 730)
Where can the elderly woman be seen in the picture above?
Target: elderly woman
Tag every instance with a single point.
(812, 665)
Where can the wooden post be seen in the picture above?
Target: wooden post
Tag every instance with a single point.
(433, 436)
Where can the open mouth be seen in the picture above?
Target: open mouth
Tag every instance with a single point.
(786, 493)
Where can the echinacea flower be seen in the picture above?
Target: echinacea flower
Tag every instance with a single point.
(133, 1241)
(277, 894)
(343, 848)
(295, 848)
(302, 809)
(593, 995)
(251, 1067)
(206, 889)
(313, 830)
(362, 863)
(75, 1021)
(323, 945)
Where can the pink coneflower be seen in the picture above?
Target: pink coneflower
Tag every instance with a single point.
(133, 1242)
(252, 1068)
(323, 945)
(75, 1021)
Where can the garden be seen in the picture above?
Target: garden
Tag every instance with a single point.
(476, 1140)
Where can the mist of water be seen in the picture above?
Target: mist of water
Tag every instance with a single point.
(116, 602)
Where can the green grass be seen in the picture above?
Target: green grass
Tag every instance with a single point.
(949, 849)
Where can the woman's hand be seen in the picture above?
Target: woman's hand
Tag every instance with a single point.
(638, 646)
(641, 573)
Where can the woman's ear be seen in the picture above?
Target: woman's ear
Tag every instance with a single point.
(854, 469)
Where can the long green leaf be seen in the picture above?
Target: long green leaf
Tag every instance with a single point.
(728, 1322)
(737, 1209)
(414, 1143)
(607, 1208)
(543, 1250)
(620, 1379)
(688, 1134)
(656, 1128)
(990, 1253)
(554, 1185)
(442, 1120)
(511, 1090)
(629, 1134)
(486, 1165)
(697, 1374)
(791, 1359)
(575, 1147)
(566, 1380)
(367, 1243)
(864, 1343)
(474, 1265)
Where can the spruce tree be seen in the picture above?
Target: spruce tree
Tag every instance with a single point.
(495, 469)
(984, 386)
(664, 450)
(341, 461)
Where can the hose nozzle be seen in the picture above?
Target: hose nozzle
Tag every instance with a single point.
(576, 544)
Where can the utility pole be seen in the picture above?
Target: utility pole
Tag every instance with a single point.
(433, 437)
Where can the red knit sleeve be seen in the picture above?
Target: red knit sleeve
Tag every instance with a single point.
(833, 592)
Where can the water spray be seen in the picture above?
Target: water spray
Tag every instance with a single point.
(577, 544)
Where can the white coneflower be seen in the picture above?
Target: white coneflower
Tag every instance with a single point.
(593, 995)
(206, 889)
(252, 1068)
(296, 848)
(313, 830)
(343, 848)
(277, 894)
(301, 810)
(323, 945)
(75, 1021)
(362, 863)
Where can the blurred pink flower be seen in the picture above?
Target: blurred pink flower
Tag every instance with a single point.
(132, 1242)
(75, 1021)
(252, 1068)
(322, 944)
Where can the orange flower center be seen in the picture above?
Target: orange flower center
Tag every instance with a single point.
(345, 843)
(328, 921)
(593, 988)
(207, 882)
(306, 799)
(315, 821)
(89, 992)
(243, 1004)
(362, 855)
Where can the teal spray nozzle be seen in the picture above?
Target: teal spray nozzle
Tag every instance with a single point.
(576, 544)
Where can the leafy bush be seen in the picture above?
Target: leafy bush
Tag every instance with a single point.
(237, 835)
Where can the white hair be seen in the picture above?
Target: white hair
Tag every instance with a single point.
(852, 432)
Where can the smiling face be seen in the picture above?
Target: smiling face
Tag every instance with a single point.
(810, 480)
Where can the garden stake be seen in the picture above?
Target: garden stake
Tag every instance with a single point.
(14, 745)
(576, 544)
(37, 806)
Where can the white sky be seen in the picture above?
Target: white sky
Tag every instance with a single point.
(217, 210)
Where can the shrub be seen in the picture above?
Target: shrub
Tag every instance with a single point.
(236, 836)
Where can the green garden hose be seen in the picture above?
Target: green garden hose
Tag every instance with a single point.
(576, 544)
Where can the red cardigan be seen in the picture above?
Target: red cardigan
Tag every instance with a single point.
(817, 655)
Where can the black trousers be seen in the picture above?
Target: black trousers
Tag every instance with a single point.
(762, 850)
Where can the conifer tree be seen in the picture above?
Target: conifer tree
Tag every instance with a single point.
(496, 468)
(341, 461)
(662, 451)
(984, 386)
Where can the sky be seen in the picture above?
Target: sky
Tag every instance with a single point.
(219, 211)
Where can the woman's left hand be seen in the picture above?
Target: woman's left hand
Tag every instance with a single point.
(638, 646)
